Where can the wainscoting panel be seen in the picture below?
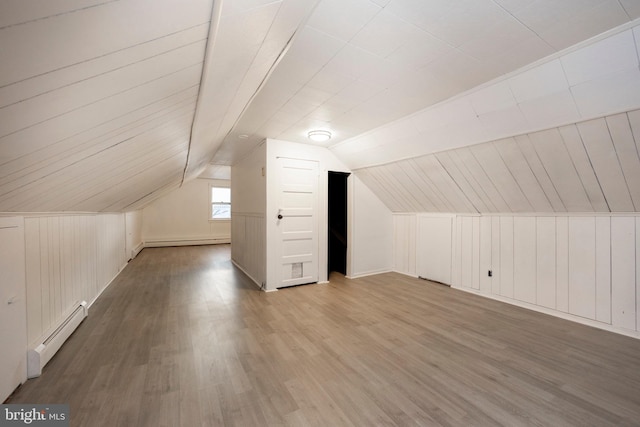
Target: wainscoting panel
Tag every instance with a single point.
(623, 272)
(584, 268)
(434, 262)
(546, 262)
(524, 259)
(248, 248)
(69, 258)
(404, 243)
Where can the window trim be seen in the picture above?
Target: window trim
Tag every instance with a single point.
(211, 187)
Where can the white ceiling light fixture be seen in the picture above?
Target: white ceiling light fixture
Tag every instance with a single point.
(319, 135)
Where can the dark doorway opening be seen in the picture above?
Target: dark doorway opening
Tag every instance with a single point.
(337, 256)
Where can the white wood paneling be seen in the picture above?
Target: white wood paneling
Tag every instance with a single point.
(426, 184)
(110, 249)
(582, 271)
(69, 258)
(626, 149)
(584, 168)
(459, 177)
(637, 273)
(562, 265)
(521, 172)
(466, 252)
(92, 112)
(134, 241)
(457, 252)
(403, 186)
(623, 272)
(506, 273)
(501, 177)
(434, 248)
(445, 184)
(541, 174)
(592, 166)
(485, 237)
(482, 180)
(248, 245)
(584, 265)
(557, 163)
(495, 255)
(603, 269)
(606, 164)
(404, 244)
(424, 191)
(381, 191)
(475, 260)
(524, 259)
(602, 78)
(546, 262)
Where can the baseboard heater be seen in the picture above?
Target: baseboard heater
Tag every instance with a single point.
(38, 357)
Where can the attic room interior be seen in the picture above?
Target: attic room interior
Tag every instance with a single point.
(321, 212)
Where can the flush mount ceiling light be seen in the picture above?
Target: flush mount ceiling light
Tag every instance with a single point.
(319, 135)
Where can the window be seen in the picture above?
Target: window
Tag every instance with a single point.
(220, 203)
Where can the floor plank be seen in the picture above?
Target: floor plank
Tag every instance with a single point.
(182, 337)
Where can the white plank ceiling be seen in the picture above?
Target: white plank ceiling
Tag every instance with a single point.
(106, 105)
(591, 166)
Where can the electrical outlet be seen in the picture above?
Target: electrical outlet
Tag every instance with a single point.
(490, 273)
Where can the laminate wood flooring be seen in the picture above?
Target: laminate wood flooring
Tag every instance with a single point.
(183, 338)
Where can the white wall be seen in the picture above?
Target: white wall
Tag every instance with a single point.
(248, 195)
(370, 223)
(69, 258)
(133, 225)
(370, 228)
(580, 267)
(182, 217)
(368, 252)
(66, 259)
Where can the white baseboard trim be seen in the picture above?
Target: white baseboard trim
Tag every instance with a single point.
(253, 279)
(106, 286)
(135, 251)
(555, 313)
(186, 241)
(368, 273)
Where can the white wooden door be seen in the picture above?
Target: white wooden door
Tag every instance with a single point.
(13, 308)
(297, 222)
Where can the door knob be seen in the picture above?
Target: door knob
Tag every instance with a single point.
(279, 216)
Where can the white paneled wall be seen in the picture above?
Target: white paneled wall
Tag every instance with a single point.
(591, 166)
(404, 243)
(69, 258)
(434, 262)
(248, 251)
(111, 249)
(581, 267)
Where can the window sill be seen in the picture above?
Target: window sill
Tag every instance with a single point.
(219, 219)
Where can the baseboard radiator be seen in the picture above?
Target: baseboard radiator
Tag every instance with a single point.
(38, 357)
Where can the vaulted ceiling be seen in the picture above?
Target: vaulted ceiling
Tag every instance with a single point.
(107, 104)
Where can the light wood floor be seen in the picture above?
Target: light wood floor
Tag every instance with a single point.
(182, 338)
